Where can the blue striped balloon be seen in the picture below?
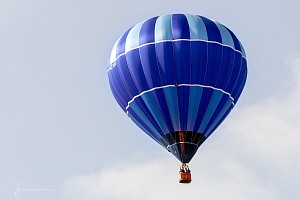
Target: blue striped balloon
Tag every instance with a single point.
(177, 77)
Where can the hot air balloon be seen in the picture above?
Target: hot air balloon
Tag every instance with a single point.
(177, 77)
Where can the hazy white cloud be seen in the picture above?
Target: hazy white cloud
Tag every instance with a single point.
(256, 157)
(158, 180)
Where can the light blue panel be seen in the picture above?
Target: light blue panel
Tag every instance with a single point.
(197, 27)
(219, 117)
(226, 36)
(212, 106)
(163, 29)
(132, 40)
(172, 101)
(145, 130)
(155, 111)
(113, 54)
(141, 115)
(194, 101)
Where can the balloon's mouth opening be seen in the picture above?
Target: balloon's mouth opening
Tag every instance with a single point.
(184, 144)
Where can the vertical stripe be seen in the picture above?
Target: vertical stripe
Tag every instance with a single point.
(180, 27)
(219, 121)
(197, 27)
(136, 70)
(149, 64)
(212, 106)
(205, 99)
(116, 95)
(121, 45)
(213, 63)
(118, 84)
(180, 30)
(147, 31)
(160, 99)
(219, 108)
(194, 101)
(225, 35)
(235, 72)
(134, 108)
(113, 54)
(183, 102)
(142, 126)
(199, 61)
(126, 76)
(163, 29)
(132, 40)
(213, 32)
(243, 50)
(155, 111)
(171, 98)
(165, 60)
(236, 42)
(225, 68)
(240, 89)
(241, 81)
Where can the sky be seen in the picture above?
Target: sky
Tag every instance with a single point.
(64, 137)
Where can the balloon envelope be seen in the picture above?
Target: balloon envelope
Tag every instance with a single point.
(177, 77)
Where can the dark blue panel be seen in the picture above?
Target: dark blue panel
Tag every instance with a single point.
(172, 102)
(180, 30)
(213, 32)
(183, 76)
(205, 99)
(160, 99)
(136, 70)
(180, 27)
(149, 64)
(118, 85)
(213, 64)
(143, 124)
(165, 58)
(143, 108)
(121, 45)
(211, 108)
(226, 67)
(194, 102)
(220, 122)
(240, 89)
(182, 61)
(227, 76)
(235, 72)
(217, 111)
(147, 31)
(155, 110)
(119, 99)
(135, 108)
(199, 61)
(126, 76)
(235, 40)
(239, 82)
(183, 102)
(140, 103)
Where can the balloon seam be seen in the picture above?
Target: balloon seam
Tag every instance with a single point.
(166, 86)
(182, 143)
(157, 42)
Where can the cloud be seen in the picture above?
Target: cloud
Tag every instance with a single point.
(255, 157)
